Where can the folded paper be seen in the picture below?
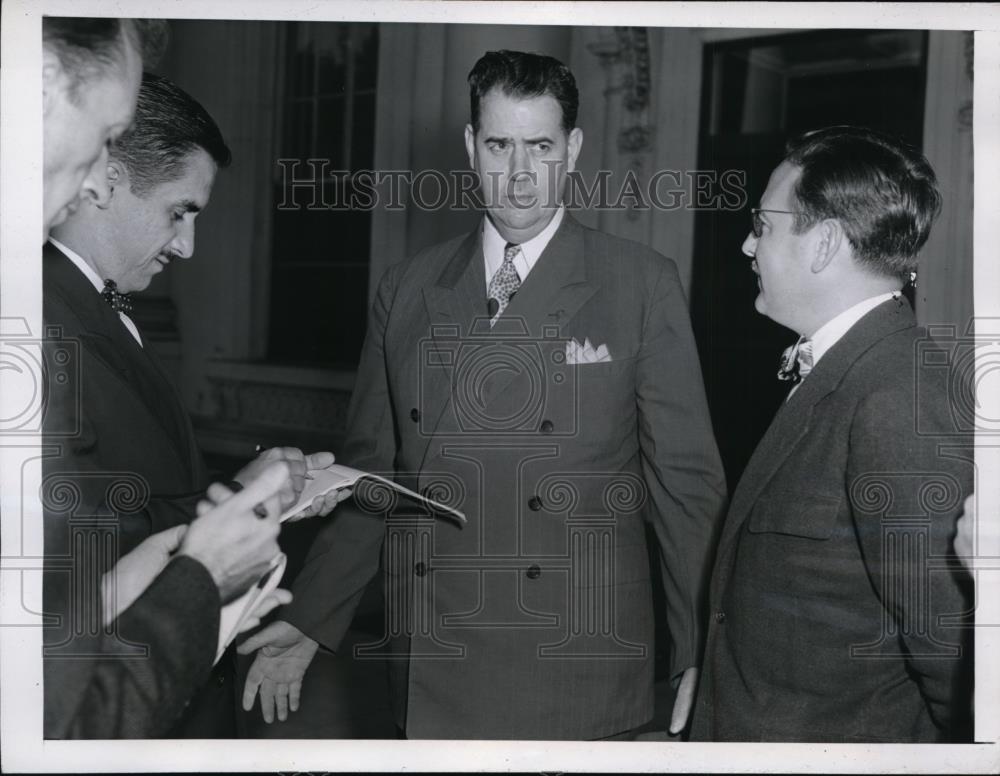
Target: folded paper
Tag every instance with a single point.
(237, 612)
(322, 482)
(337, 477)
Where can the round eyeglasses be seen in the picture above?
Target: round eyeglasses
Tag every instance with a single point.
(758, 224)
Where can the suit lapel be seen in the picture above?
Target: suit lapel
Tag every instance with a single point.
(548, 299)
(107, 339)
(102, 329)
(458, 297)
(170, 402)
(557, 286)
(546, 302)
(788, 427)
(793, 419)
(456, 308)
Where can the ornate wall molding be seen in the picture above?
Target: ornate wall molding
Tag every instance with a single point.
(624, 54)
(246, 404)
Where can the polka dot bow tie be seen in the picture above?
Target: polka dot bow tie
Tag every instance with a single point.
(120, 303)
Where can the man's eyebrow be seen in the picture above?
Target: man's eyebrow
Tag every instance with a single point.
(189, 206)
(528, 140)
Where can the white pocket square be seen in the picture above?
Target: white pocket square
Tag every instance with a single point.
(586, 353)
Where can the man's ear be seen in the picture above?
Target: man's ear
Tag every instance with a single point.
(117, 177)
(574, 144)
(470, 145)
(829, 238)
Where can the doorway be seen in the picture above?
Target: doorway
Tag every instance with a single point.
(756, 94)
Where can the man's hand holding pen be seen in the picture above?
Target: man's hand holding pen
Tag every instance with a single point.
(235, 545)
(299, 465)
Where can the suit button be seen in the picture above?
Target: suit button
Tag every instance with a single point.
(720, 617)
(533, 572)
(414, 414)
(534, 503)
(420, 569)
(220, 680)
(547, 427)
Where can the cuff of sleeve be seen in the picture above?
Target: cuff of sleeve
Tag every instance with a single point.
(682, 658)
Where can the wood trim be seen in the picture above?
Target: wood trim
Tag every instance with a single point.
(945, 281)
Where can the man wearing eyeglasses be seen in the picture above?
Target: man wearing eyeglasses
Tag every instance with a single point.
(836, 591)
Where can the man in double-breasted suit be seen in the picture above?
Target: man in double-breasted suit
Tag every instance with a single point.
(542, 378)
(836, 599)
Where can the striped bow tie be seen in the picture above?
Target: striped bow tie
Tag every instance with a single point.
(796, 361)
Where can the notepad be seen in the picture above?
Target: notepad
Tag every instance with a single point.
(237, 612)
(337, 477)
(323, 481)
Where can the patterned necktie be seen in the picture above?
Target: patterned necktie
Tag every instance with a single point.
(120, 303)
(504, 284)
(796, 361)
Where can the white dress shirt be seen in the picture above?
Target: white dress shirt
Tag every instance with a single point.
(94, 278)
(494, 245)
(830, 332)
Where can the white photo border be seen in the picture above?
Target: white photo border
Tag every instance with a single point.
(20, 300)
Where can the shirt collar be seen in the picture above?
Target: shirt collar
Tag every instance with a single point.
(494, 245)
(831, 331)
(83, 266)
(95, 279)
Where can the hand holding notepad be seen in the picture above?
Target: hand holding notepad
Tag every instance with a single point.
(319, 483)
(334, 478)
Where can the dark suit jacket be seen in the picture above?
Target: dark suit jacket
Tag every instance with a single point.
(136, 681)
(535, 620)
(833, 607)
(121, 463)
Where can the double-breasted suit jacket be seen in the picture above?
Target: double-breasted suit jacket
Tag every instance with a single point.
(535, 619)
(836, 606)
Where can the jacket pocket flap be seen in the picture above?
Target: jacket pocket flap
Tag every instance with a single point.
(811, 517)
